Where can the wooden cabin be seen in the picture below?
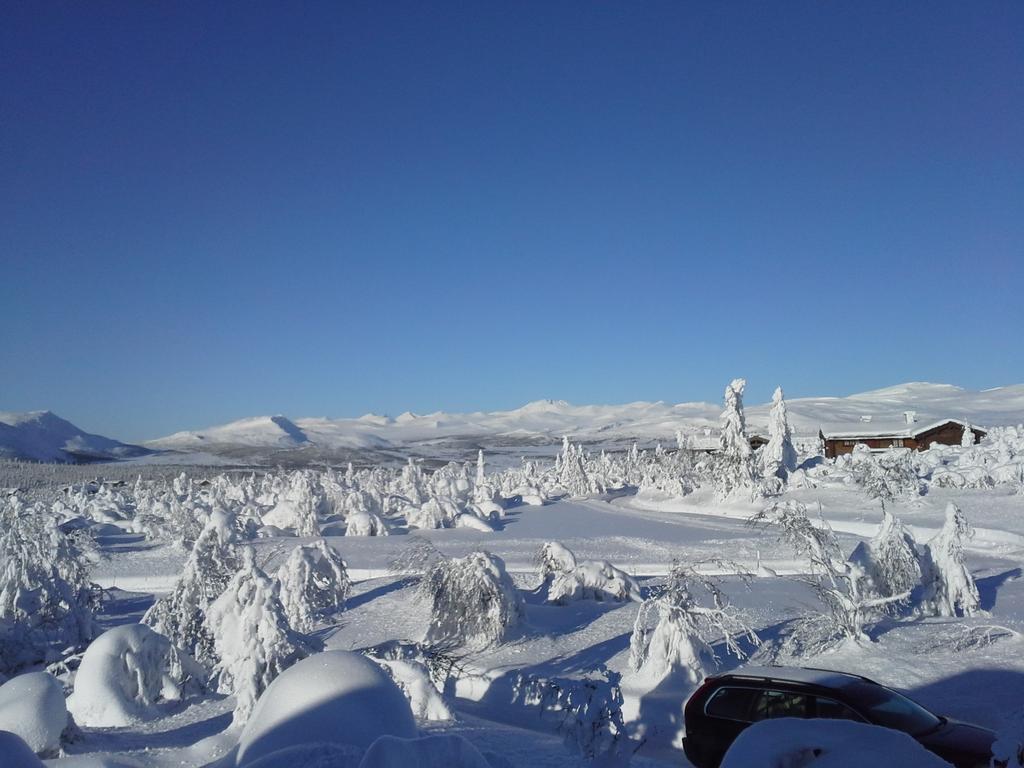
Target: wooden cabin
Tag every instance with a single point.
(839, 440)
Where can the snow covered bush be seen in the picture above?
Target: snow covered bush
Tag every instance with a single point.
(413, 678)
(885, 476)
(365, 524)
(673, 632)
(32, 707)
(252, 639)
(949, 588)
(587, 712)
(125, 672)
(314, 584)
(473, 601)
(46, 597)
(734, 465)
(181, 615)
(843, 586)
(334, 697)
(891, 559)
(591, 580)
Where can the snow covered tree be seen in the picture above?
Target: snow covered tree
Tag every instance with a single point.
(967, 439)
(571, 470)
(252, 638)
(734, 468)
(181, 615)
(891, 559)
(473, 601)
(314, 584)
(553, 559)
(949, 588)
(673, 632)
(779, 455)
(843, 586)
(46, 596)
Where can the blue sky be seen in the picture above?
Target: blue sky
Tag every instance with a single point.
(211, 211)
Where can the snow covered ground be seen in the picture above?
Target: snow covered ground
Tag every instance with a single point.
(642, 535)
(526, 679)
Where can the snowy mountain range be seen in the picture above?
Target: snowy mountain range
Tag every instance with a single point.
(535, 427)
(44, 436)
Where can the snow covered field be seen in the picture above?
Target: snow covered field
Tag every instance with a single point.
(534, 660)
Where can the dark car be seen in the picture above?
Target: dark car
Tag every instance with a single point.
(723, 706)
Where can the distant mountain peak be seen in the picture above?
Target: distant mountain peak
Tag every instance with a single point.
(45, 436)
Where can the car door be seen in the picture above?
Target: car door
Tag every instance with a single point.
(726, 713)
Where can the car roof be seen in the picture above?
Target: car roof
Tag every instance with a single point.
(824, 678)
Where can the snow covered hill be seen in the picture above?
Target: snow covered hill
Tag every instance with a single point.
(44, 436)
(543, 422)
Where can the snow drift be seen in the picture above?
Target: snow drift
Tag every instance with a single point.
(789, 742)
(334, 697)
(32, 707)
(125, 673)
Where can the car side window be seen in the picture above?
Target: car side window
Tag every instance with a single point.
(772, 704)
(731, 704)
(833, 710)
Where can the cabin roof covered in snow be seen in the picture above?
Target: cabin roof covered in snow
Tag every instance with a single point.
(885, 428)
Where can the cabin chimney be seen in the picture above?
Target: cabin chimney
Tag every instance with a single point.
(910, 416)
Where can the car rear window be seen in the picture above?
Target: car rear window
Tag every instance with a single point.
(731, 703)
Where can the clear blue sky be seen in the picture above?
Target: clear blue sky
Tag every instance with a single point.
(217, 210)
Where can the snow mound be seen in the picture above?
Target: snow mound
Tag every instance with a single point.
(336, 697)
(125, 672)
(32, 707)
(312, 756)
(16, 752)
(442, 751)
(792, 743)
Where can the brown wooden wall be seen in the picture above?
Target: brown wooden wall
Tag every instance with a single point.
(947, 434)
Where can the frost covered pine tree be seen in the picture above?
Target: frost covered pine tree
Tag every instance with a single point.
(949, 588)
(46, 597)
(252, 638)
(181, 615)
(779, 456)
(891, 559)
(967, 438)
(734, 470)
(314, 584)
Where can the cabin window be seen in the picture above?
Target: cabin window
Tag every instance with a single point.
(897, 443)
(850, 443)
